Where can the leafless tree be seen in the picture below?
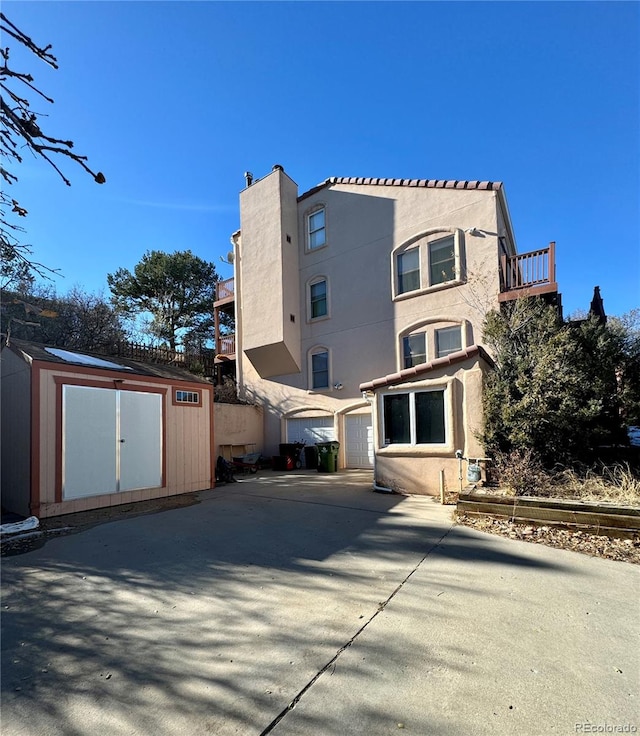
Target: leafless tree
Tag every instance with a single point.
(20, 131)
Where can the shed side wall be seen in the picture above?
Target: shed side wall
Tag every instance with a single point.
(15, 377)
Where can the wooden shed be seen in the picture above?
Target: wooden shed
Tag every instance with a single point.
(82, 431)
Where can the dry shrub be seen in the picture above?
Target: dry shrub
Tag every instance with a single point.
(520, 473)
(227, 393)
(610, 484)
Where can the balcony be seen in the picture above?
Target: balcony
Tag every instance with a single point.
(528, 274)
(225, 348)
(225, 292)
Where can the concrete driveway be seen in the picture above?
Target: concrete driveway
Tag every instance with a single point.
(299, 603)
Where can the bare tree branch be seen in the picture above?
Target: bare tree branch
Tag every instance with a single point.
(20, 127)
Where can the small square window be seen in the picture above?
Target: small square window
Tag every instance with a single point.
(442, 261)
(408, 270)
(318, 299)
(316, 229)
(448, 340)
(414, 349)
(320, 370)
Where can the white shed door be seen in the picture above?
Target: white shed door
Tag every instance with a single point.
(140, 440)
(89, 441)
(311, 430)
(359, 441)
(111, 441)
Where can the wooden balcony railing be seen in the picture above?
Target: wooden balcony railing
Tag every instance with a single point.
(225, 289)
(226, 346)
(528, 273)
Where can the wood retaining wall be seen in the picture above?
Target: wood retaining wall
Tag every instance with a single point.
(598, 518)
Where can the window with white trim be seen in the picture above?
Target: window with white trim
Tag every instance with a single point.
(318, 299)
(187, 397)
(414, 349)
(448, 340)
(316, 229)
(414, 417)
(432, 260)
(408, 264)
(319, 368)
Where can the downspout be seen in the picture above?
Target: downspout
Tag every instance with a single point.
(237, 286)
(376, 487)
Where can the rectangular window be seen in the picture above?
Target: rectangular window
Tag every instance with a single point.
(448, 340)
(397, 427)
(318, 294)
(414, 349)
(408, 270)
(429, 417)
(442, 261)
(316, 229)
(414, 418)
(320, 370)
(187, 397)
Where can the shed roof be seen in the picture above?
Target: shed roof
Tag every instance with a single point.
(30, 351)
(419, 370)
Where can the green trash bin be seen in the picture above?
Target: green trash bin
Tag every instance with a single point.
(328, 456)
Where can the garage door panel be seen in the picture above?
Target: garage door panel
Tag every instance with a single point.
(311, 430)
(359, 441)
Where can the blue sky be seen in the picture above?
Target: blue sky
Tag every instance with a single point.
(173, 101)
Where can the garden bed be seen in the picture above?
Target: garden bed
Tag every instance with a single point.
(594, 517)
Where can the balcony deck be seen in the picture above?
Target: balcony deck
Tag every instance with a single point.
(225, 292)
(226, 348)
(528, 274)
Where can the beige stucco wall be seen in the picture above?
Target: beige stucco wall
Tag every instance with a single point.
(238, 425)
(365, 226)
(15, 382)
(188, 463)
(268, 260)
(417, 469)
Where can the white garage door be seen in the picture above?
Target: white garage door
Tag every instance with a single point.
(359, 441)
(310, 430)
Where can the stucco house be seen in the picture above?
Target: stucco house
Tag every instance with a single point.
(83, 431)
(359, 307)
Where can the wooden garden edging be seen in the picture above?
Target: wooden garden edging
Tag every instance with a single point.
(599, 518)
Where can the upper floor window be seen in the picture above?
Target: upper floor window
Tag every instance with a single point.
(431, 260)
(320, 368)
(448, 340)
(414, 349)
(414, 418)
(409, 270)
(442, 261)
(318, 299)
(316, 229)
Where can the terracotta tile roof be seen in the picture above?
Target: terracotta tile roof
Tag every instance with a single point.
(418, 370)
(428, 183)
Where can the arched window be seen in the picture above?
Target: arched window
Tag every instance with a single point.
(433, 259)
(319, 369)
